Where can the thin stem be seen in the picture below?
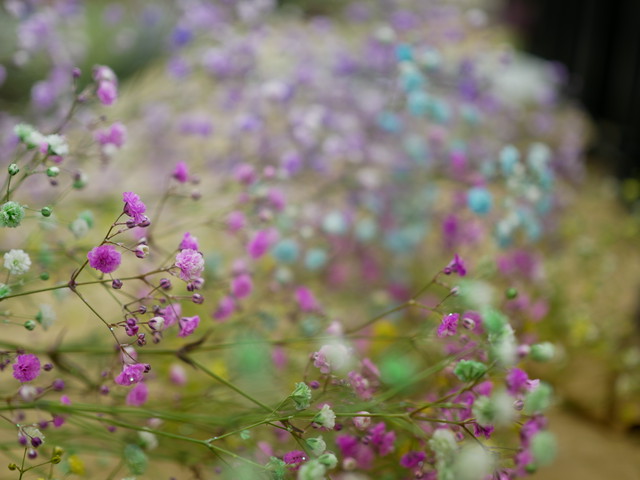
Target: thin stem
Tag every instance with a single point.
(230, 385)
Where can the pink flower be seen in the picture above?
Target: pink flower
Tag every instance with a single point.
(449, 325)
(188, 325)
(104, 258)
(412, 459)
(241, 286)
(382, 440)
(171, 314)
(456, 266)
(306, 300)
(115, 135)
(134, 207)
(295, 458)
(236, 221)
(261, 242)
(107, 93)
(245, 173)
(225, 308)
(26, 367)
(189, 241)
(138, 395)
(516, 381)
(132, 374)
(190, 263)
(181, 172)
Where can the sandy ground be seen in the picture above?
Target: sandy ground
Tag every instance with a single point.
(590, 452)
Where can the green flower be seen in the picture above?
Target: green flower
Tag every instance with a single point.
(11, 214)
(469, 370)
(301, 396)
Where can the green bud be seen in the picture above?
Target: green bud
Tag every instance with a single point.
(59, 451)
(301, 396)
(13, 169)
(11, 214)
(538, 400)
(4, 290)
(87, 216)
(44, 276)
(13, 466)
(80, 181)
(245, 434)
(511, 293)
(542, 352)
(544, 448)
(56, 459)
(494, 322)
(469, 370)
(136, 459)
(277, 467)
(30, 325)
(46, 211)
(53, 172)
(317, 445)
(329, 460)
(312, 470)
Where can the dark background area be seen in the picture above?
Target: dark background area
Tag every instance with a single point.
(599, 43)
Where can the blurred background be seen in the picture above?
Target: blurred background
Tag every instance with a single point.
(595, 267)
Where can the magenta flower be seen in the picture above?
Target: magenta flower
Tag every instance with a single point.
(225, 308)
(104, 258)
(115, 135)
(181, 172)
(456, 266)
(26, 368)
(261, 242)
(382, 440)
(449, 325)
(132, 374)
(236, 221)
(190, 263)
(295, 458)
(189, 241)
(306, 300)
(188, 325)
(412, 459)
(516, 381)
(241, 286)
(134, 207)
(107, 93)
(171, 314)
(138, 395)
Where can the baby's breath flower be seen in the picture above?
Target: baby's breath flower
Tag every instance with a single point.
(496, 410)
(312, 470)
(301, 396)
(325, 417)
(46, 316)
(544, 448)
(542, 352)
(469, 370)
(317, 445)
(538, 400)
(17, 262)
(11, 214)
(57, 144)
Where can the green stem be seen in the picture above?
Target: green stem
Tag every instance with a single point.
(227, 383)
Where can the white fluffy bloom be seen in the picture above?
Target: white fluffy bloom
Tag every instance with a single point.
(17, 262)
(325, 417)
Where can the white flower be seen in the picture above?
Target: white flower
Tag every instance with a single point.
(325, 417)
(17, 262)
(57, 144)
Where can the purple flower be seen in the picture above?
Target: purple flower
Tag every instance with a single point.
(306, 300)
(382, 440)
(412, 459)
(236, 221)
(295, 458)
(456, 266)
(104, 258)
(171, 314)
(115, 135)
(189, 241)
(190, 263)
(107, 93)
(241, 286)
(225, 308)
(449, 325)
(132, 374)
(188, 325)
(134, 207)
(261, 242)
(181, 172)
(138, 395)
(516, 381)
(26, 368)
